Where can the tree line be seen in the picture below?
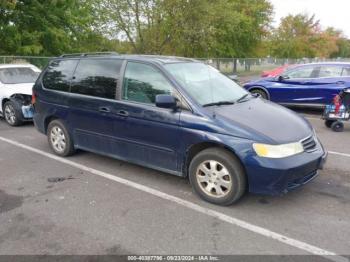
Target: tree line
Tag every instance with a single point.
(191, 28)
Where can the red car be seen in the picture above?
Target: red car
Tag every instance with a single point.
(275, 72)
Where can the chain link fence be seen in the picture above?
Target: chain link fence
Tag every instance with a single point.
(243, 67)
(254, 66)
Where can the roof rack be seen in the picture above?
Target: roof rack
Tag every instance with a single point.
(89, 54)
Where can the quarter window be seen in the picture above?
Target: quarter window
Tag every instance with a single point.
(59, 74)
(97, 77)
(143, 82)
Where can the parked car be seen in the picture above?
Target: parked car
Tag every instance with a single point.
(308, 85)
(16, 83)
(234, 78)
(179, 116)
(277, 71)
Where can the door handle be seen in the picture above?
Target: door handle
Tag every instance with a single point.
(103, 109)
(340, 83)
(122, 113)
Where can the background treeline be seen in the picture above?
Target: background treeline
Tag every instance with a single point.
(193, 28)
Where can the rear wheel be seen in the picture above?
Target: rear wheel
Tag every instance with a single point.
(59, 139)
(261, 92)
(337, 126)
(11, 114)
(328, 123)
(217, 176)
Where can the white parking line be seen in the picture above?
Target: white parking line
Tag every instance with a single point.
(312, 118)
(339, 154)
(207, 211)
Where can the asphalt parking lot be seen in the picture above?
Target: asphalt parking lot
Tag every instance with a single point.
(90, 205)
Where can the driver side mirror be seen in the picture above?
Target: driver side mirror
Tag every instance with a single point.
(166, 101)
(281, 78)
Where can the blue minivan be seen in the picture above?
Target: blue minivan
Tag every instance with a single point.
(179, 116)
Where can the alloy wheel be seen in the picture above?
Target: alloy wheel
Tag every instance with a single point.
(10, 114)
(58, 139)
(214, 178)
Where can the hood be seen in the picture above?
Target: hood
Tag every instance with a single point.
(265, 121)
(25, 89)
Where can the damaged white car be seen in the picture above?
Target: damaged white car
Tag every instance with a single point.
(16, 82)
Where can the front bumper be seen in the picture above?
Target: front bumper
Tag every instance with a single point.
(279, 176)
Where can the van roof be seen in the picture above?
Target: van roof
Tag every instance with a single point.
(154, 58)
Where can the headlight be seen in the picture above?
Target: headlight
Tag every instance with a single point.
(278, 151)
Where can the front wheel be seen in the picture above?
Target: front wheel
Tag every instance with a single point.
(11, 114)
(260, 92)
(217, 176)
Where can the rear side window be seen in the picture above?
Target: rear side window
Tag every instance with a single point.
(143, 82)
(59, 74)
(97, 77)
(330, 71)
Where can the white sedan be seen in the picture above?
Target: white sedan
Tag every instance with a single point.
(16, 82)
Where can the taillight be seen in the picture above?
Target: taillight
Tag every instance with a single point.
(33, 98)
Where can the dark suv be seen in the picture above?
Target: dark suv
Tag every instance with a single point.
(179, 116)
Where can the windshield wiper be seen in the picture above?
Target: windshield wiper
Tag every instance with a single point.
(242, 98)
(220, 103)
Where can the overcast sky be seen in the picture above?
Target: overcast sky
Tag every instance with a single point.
(334, 13)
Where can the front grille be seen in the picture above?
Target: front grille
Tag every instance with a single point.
(301, 181)
(309, 144)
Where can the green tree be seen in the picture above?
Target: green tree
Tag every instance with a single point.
(196, 28)
(343, 45)
(47, 27)
(301, 36)
(241, 26)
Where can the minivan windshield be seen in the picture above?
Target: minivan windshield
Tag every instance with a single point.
(18, 75)
(205, 84)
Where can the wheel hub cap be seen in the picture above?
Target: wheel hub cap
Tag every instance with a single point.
(10, 115)
(214, 178)
(58, 139)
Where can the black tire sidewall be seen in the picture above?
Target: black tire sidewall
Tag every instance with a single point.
(261, 92)
(69, 142)
(328, 123)
(337, 126)
(18, 113)
(234, 167)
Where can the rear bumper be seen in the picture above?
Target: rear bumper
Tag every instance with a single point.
(279, 176)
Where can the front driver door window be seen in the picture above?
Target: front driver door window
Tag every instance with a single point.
(143, 82)
(301, 73)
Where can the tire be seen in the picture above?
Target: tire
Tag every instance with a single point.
(261, 92)
(328, 123)
(337, 126)
(59, 139)
(12, 115)
(231, 181)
